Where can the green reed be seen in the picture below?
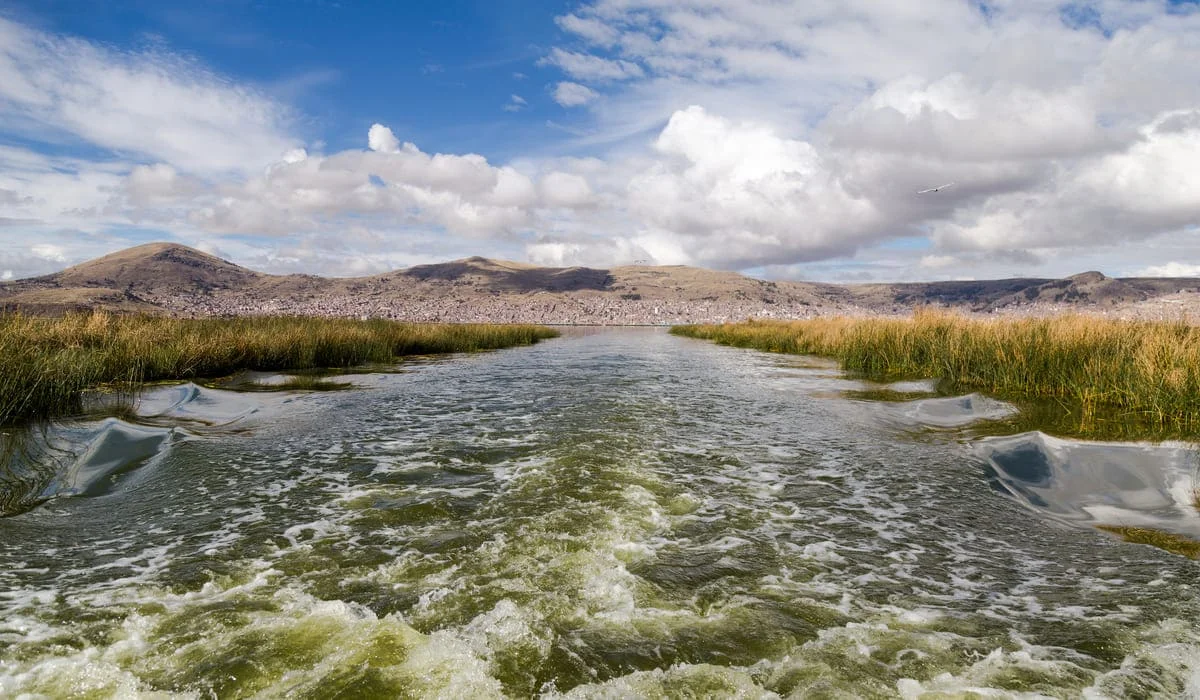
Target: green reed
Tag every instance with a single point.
(48, 364)
(1102, 371)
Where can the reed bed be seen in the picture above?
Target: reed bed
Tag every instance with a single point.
(48, 364)
(1147, 372)
(1176, 544)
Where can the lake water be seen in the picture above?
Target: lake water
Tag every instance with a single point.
(609, 514)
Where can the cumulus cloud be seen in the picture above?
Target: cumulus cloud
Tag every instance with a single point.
(1061, 134)
(739, 193)
(565, 190)
(958, 119)
(730, 134)
(1148, 187)
(148, 184)
(1157, 174)
(570, 94)
(381, 139)
(391, 183)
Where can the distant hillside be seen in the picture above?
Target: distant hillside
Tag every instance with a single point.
(171, 278)
(124, 280)
(1084, 288)
(976, 295)
(507, 276)
(158, 268)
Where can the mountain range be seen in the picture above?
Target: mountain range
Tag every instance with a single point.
(176, 279)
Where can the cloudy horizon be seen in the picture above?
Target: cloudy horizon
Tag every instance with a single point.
(785, 140)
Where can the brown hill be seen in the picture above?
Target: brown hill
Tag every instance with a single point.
(128, 280)
(975, 295)
(171, 278)
(159, 268)
(1091, 288)
(505, 276)
(633, 282)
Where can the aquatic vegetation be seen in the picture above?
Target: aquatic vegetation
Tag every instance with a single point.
(1102, 371)
(296, 383)
(48, 364)
(1176, 544)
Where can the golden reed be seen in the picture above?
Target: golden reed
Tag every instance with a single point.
(46, 364)
(1147, 372)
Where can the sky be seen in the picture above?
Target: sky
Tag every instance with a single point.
(787, 140)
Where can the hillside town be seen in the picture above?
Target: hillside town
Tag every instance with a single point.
(545, 308)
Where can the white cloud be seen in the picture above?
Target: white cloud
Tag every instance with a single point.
(570, 94)
(1171, 269)
(515, 103)
(565, 190)
(588, 67)
(737, 193)
(957, 119)
(381, 139)
(393, 184)
(148, 184)
(1156, 175)
(50, 252)
(1148, 187)
(65, 192)
(295, 155)
(594, 30)
(597, 253)
(937, 262)
(730, 134)
(1060, 136)
(150, 105)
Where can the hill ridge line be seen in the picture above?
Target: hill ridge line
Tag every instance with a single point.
(172, 278)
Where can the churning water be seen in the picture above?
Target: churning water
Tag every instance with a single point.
(616, 514)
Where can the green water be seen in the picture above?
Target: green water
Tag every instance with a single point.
(618, 514)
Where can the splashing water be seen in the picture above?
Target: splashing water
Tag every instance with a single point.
(616, 514)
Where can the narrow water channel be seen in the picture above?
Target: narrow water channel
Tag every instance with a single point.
(621, 513)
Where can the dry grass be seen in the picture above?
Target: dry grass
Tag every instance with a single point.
(300, 383)
(46, 364)
(1176, 544)
(1148, 372)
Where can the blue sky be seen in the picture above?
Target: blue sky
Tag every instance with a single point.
(439, 72)
(785, 139)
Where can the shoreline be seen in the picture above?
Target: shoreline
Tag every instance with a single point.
(570, 310)
(48, 364)
(1111, 374)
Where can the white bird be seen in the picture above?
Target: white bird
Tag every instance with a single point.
(936, 189)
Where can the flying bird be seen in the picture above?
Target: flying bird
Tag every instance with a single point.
(939, 188)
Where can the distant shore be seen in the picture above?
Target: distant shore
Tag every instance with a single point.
(174, 280)
(598, 310)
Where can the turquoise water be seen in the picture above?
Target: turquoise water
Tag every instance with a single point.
(613, 514)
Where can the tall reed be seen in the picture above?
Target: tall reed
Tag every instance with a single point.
(1143, 371)
(46, 364)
